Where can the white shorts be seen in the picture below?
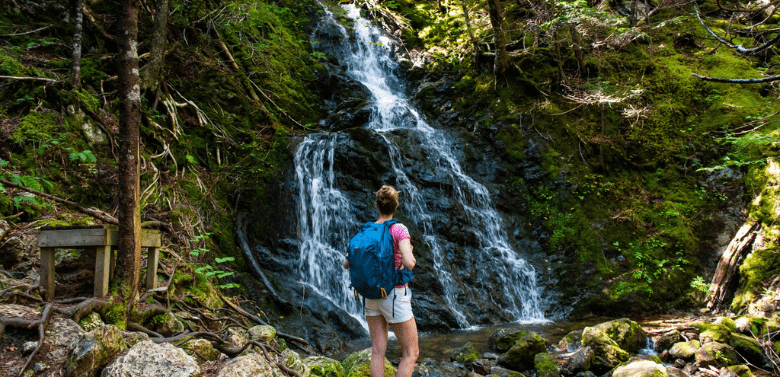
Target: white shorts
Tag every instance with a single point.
(394, 312)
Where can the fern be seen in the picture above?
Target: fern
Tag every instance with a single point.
(19, 199)
(30, 182)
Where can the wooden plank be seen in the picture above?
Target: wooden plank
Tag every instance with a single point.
(150, 238)
(73, 227)
(72, 238)
(47, 271)
(152, 257)
(102, 270)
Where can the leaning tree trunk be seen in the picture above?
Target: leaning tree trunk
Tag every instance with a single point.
(473, 39)
(739, 246)
(129, 215)
(496, 20)
(75, 63)
(157, 53)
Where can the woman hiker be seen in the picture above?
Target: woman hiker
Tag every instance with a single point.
(398, 312)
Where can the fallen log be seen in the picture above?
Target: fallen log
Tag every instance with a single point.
(738, 248)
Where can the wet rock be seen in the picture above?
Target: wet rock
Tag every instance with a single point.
(748, 348)
(432, 368)
(571, 342)
(94, 350)
(667, 340)
(675, 372)
(263, 333)
(628, 334)
(608, 353)
(684, 350)
(292, 360)
(482, 366)
(91, 322)
(577, 362)
(545, 365)
(728, 322)
(322, 366)
(713, 333)
(521, 355)
(641, 368)
(358, 364)
(502, 372)
(490, 356)
(148, 359)
(465, 354)
(133, 337)
(715, 354)
(201, 350)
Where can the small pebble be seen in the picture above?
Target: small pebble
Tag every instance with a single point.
(29, 347)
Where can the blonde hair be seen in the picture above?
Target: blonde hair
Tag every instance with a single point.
(387, 200)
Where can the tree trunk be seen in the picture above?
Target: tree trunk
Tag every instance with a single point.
(157, 53)
(75, 63)
(739, 246)
(129, 214)
(502, 60)
(575, 37)
(471, 36)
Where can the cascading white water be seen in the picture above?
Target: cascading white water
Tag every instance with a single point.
(325, 220)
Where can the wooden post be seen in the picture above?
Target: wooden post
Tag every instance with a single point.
(47, 271)
(102, 270)
(152, 257)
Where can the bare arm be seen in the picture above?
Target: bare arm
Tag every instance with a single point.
(407, 258)
(345, 263)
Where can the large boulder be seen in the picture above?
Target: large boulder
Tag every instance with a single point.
(149, 359)
(94, 350)
(710, 332)
(465, 355)
(322, 366)
(716, 354)
(608, 354)
(578, 361)
(640, 368)
(667, 340)
(253, 364)
(358, 364)
(571, 342)
(684, 350)
(504, 338)
(545, 365)
(628, 334)
(521, 355)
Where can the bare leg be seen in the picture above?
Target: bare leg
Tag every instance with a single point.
(377, 328)
(406, 332)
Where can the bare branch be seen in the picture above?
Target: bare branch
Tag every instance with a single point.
(52, 81)
(739, 48)
(737, 81)
(25, 33)
(767, 5)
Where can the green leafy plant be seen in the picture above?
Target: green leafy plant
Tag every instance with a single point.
(699, 285)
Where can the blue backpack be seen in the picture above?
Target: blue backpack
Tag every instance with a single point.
(371, 261)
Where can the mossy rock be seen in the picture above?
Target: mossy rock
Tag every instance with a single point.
(504, 338)
(322, 366)
(292, 360)
(710, 332)
(263, 333)
(202, 350)
(640, 368)
(747, 347)
(358, 364)
(684, 350)
(726, 321)
(716, 354)
(628, 334)
(571, 341)
(167, 324)
(741, 370)
(521, 355)
(545, 365)
(91, 322)
(94, 350)
(465, 355)
(608, 354)
(667, 340)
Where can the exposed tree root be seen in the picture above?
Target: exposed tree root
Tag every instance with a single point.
(41, 324)
(258, 320)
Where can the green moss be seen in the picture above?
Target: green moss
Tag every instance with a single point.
(718, 333)
(114, 314)
(545, 365)
(741, 370)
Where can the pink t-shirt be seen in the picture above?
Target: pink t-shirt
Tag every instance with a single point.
(399, 232)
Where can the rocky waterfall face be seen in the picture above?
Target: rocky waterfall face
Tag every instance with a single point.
(468, 273)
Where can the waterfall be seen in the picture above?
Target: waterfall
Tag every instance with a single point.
(326, 215)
